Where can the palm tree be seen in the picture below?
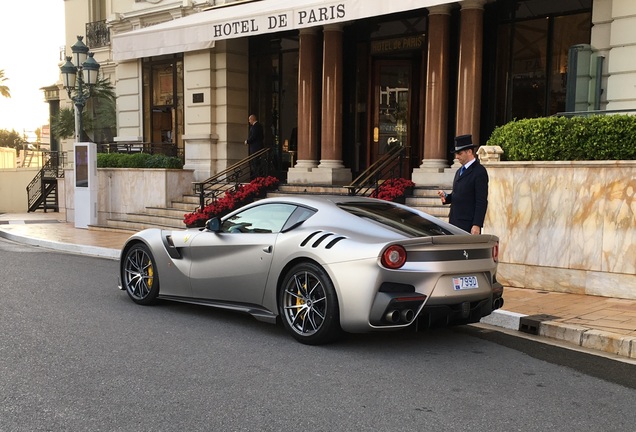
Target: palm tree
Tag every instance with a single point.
(4, 90)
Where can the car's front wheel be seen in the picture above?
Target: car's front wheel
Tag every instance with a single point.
(139, 274)
(308, 305)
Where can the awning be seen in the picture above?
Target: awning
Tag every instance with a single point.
(200, 30)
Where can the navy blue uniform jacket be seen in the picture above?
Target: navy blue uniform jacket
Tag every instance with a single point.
(469, 198)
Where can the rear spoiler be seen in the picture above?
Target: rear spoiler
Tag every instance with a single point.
(449, 240)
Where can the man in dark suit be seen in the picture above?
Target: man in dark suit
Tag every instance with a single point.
(254, 142)
(469, 198)
(255, 136)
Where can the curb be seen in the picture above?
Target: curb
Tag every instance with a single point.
(503, 318)
(598, 340)
(95, 251)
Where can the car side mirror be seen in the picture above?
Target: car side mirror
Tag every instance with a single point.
(213, 224)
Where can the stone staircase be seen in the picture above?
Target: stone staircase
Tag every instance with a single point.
(426, 199)
(423, 198)
(156, 217)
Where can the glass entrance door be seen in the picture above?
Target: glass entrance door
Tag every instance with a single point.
(391, 107)
(163, 104)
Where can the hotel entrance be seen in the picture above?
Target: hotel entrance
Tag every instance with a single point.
(391, 109)
(384, 72)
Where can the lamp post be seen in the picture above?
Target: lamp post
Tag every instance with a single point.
(82, 70)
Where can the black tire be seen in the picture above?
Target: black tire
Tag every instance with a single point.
(308, 305)
(139, 274)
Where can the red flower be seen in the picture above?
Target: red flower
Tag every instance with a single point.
(392, 188)
(244, 194)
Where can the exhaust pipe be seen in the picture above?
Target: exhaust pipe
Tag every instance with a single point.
(407, 315)
(393, 316)
(497, 303)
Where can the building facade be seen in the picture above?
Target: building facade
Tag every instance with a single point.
(337, 83)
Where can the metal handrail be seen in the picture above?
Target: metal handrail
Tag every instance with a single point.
(383, 168)
(257, 164)
(34, 189)
(52, 169)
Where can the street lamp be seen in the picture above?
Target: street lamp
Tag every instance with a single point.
(84, 65)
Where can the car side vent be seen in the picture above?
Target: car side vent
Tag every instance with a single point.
(333, 242)
(334, 239)
(309, 237)
(320, 239)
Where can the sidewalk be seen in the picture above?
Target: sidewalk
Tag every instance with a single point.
(596, 323)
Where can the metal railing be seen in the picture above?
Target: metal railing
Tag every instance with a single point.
(97, 34)
(45, 181)
(389, 165)
(593, 112)
(259, 164)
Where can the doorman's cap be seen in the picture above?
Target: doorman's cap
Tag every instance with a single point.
(463, 142)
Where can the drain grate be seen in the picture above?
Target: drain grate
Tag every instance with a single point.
(530, 324)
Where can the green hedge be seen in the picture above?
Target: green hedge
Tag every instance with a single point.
(608, 137)
(137, 160)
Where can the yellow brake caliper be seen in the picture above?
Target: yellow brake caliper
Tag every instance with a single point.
(300, 302)
(151, 273)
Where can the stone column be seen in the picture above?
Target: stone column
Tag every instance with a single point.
(331, 169)
(434, 146)
(470, 64)
(308, 106)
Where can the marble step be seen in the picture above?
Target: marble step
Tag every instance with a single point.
(145, 220)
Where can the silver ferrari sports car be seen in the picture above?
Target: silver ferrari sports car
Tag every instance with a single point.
(321, 265)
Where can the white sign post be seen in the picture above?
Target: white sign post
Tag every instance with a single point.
(85, 184)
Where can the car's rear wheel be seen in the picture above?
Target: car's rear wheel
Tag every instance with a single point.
(139, 274)
(308, 305)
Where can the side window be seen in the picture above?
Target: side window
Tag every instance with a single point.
(266, 218)
(300, 215)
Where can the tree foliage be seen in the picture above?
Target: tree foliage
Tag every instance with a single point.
(11, 139)
(4, 89)
(63, 124)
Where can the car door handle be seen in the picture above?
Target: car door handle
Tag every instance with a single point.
(267, 249)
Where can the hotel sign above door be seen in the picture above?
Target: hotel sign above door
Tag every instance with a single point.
(406, 43)
(307, 17)
(200, 30)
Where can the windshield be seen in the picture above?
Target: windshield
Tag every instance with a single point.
(405, 221)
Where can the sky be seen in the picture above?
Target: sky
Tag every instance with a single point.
(31, 37)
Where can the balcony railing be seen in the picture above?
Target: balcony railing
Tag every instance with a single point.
(97, 34)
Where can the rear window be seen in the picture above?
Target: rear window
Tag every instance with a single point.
(402, 220)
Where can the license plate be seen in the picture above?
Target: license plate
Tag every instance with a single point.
(465, 282)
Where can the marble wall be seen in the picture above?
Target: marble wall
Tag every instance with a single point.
(123, 190)
(565, 226)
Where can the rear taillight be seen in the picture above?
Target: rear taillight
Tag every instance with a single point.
(495, 252)
(394, 257)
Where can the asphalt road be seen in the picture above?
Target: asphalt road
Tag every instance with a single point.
(77, 355)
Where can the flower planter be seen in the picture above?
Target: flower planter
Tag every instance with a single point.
(232, 200)
(395, 189)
